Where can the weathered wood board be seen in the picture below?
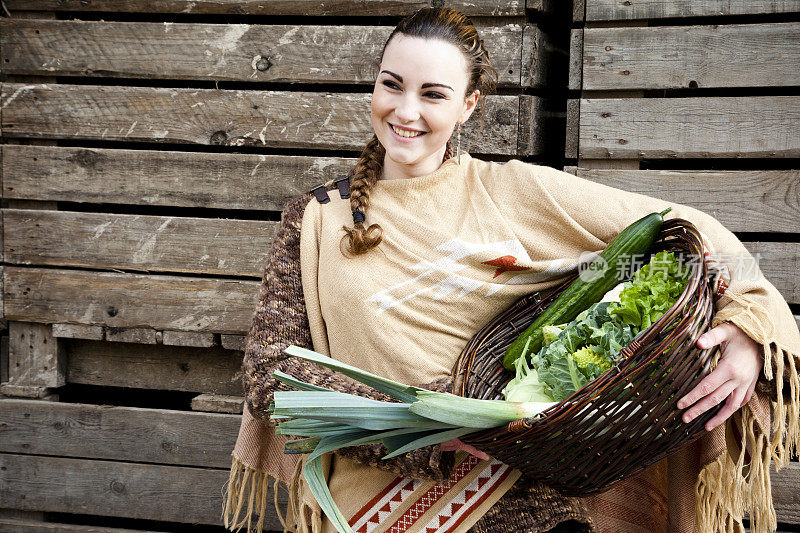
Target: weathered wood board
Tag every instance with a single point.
(639, 128)
(117, 433)
(165, 178)
(785, 495)
(109, 488)
(158, 367)
(34, 357)
(575, 73)
(234, 52)
(742, 200)
(188, 338)
(597, 10)
(281, 119)
(674, 57)
(78, 331)
(12, 525)
(353, 8)
(130, 300)
(218, 403)
(219, 246)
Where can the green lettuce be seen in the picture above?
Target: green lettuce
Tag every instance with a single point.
(563, 366)
(654, 289)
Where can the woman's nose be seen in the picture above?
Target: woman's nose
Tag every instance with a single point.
(407, 109)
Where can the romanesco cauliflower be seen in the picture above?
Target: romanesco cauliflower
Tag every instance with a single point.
(590, 354)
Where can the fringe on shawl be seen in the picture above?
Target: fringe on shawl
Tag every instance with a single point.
(249, 485)
(725, 489)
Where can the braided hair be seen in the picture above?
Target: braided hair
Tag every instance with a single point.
(444, 24)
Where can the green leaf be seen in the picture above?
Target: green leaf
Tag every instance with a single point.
(315, 477)
(395, 442)
(399, 391)
(654, 289)
(303, 427)
(349, 409)
(472, 412)
(301, 445)
(427, 440)
(296, 383)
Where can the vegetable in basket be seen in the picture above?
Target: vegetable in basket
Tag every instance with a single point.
(574, 354)
(578, 352)
(585, 348)
(634, 240)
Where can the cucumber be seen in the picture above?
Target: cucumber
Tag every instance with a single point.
(582, 293)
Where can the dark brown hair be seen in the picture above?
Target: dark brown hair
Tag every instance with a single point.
(428, 23)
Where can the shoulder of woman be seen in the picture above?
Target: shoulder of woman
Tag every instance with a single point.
(322, 201)
(518, 175)
(319, 194)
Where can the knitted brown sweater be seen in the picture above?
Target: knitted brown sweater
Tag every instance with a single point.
(280, 320)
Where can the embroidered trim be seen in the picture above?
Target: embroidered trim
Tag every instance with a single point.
(457, 500)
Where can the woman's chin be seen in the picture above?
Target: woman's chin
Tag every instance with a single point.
(403, 155)
(409, 160)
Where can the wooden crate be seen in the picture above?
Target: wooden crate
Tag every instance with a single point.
(147, 151)
(696, 103)
(128, 148)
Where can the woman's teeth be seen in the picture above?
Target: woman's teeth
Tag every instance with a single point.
(404, 133)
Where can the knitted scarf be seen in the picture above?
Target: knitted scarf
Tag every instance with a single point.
(709, 483)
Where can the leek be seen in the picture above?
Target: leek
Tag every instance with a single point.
(471, 412)
(329, 420)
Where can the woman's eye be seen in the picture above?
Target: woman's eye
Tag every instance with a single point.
(434, 95)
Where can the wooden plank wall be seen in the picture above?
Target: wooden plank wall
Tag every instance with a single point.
(696, 102)
(148, 147)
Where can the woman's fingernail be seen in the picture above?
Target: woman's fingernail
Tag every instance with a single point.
(681, 404)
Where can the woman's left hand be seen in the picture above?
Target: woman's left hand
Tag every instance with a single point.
(734, 377)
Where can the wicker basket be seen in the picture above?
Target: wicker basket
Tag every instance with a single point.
(562, 447)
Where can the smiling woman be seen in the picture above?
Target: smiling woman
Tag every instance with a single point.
(434, 72)
(394, 275)
(413, 117)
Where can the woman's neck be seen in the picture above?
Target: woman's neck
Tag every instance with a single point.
(392, 170)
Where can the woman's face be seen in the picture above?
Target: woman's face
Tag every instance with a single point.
(420, 88)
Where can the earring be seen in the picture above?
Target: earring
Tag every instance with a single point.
(458, 145)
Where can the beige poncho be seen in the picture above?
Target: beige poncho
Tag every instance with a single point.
(462, 244)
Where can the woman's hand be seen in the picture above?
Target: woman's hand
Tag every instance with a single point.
(456, 444)
(734, 378)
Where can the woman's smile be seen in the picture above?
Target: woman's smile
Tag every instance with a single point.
(405, 135)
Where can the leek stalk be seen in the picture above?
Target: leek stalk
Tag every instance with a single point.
(329, 420)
